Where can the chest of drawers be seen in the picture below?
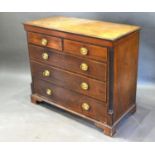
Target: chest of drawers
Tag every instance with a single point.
(86, 67)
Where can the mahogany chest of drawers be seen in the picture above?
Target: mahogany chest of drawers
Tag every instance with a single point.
(86, 67)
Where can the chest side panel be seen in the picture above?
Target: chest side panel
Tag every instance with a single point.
(125, 74)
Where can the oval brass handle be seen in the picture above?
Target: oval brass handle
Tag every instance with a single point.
(84, 67)
(46, 73)
(84, 86)
(85, 106)
(48, 91)
(44, 42)
(45, 56)
(83, 51)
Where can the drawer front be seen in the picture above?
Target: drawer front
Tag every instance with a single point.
(75, 82)
(45, 41)
(89, 68)
(71, 100)
(85, 50)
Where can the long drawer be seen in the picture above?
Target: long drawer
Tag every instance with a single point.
(89, 68)
(71, 100)
(75, 82)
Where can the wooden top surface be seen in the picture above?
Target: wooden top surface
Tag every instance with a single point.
(91, 28)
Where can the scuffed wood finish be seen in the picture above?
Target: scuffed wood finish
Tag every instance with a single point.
(70, 63)
(99, 124)
(36, 100)
(90, 40)
(125, 74)
(94, 52)
(107, 130)
(53, 42)
(70, 80)
(71, 100)
(112, 61)
(92, 28)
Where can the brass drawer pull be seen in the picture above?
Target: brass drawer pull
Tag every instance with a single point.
(84, 67)
(85, 106)
(46, 73)
(45, 56)
(48, 91)
(84, 86)
(44, 42)
(83, 51)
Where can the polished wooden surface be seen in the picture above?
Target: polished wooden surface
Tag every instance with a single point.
(93, 52)
(70, 62)
(71, 100)
(52, 42)
(90, 71)
(92, 28)
(97, 89)
(125, 74)
(71, 36)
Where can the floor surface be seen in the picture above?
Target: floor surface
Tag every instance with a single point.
(20, 120)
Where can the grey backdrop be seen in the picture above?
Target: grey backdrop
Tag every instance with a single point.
(13, 47)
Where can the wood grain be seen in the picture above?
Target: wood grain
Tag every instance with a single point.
(97, 70)
(66, 35)
(92, 28)
(70, 80)
(94, 52)
(71, 100)
(53, 42)
(125, 74)
(112, 61)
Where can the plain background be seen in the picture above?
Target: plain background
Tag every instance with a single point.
(13, 46)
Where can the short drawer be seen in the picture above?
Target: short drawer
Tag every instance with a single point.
(86, 50)
(81, 84)
(45, 41)
(89, 68)
(71, 100)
